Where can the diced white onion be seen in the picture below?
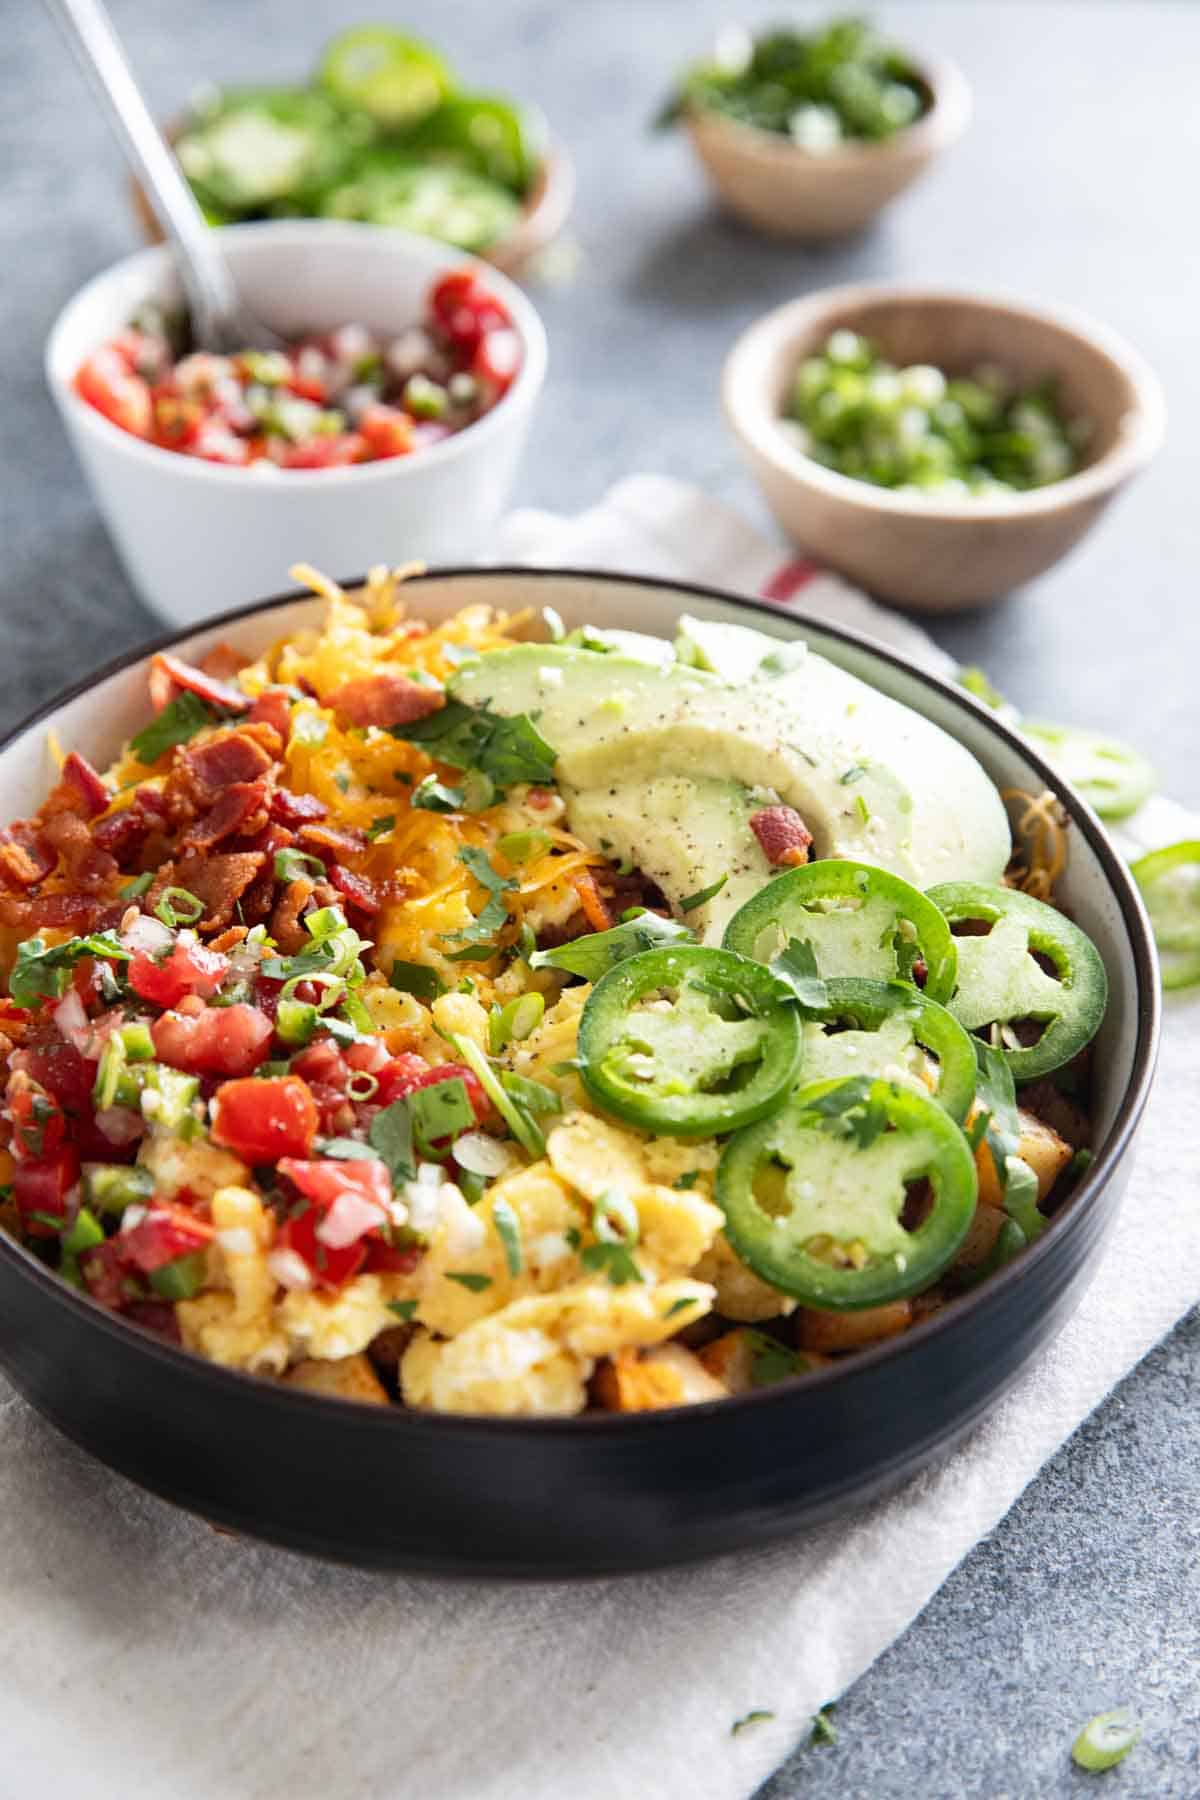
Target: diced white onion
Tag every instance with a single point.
(237, 1240)
(552, 1247)
(71, 1017)
(132, 1216)
(350, 1216)
(421, 1197)
(289, 1269)
(482, 1155)
(465, 1231)
(147, 935)
(119, 1125)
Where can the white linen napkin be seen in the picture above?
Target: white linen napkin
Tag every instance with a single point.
(142, 1651)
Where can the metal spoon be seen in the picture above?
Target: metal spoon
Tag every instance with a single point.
(220, 319)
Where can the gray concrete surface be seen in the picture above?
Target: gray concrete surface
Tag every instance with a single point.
(1076, 183)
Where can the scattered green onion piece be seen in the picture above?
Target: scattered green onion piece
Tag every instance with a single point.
(109, 1073)
(295, 865)
(179, 906)
(508, 1229)
(362, 1085)
(523, 1128)
(702, 896)
(519, 847)
(324, 923)
(534, 1096)
(133, 890)
(1106, 1740)
(513, 1023)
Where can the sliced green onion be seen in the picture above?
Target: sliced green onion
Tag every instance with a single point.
(615, 1205)
(513, 1023)
(133, 890)
(295, 865)
(332, 985)
(324, 923)
(524, 1129)
(362, 1085)
(519, 847)
(508, 1229)
(179, 906)
(702, 895)
(109, 1073)
(139, 1045)
(167, 1100)
(534, 1096)
(1106, 1740)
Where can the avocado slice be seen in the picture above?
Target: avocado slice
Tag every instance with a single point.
(666, 765)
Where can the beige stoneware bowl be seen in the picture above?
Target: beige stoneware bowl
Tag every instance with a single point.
(786, 191)
(932, 554)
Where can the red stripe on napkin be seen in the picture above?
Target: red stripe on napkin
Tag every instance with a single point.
(786, 582)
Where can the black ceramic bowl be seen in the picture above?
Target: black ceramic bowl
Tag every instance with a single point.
(600, 1494)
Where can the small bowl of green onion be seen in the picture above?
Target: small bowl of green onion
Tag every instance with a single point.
(938, 448)
(810, 134)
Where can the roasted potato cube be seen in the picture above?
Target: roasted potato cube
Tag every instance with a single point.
(347, 1378)
(666, 1376)
(1040, 1146)
(832, 1331)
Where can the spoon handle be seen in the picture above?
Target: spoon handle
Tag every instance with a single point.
(211, 294)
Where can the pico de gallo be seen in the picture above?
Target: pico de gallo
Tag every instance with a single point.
(327, 401)
(348, 1044)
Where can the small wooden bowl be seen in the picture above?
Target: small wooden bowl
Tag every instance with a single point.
(786, 191)
(929, 553)
(542, 217)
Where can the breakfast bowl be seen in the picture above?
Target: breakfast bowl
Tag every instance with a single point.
(193, 533)
(598, 1493)
(785, 190)
(936, 551)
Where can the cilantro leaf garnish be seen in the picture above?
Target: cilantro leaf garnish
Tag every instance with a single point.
(757, 1717)
(796, 965)
(42, 974)
(508, 1229)
(391, 1136)
(856, 1108)
(770, 1361)
(491, 919)
(416, 978)
(403, 1309)
(508, 750)
(594, 955)
(177, 723)
(614, 1260)
(440, 1111)
(997, 1121)
(474, 1284)
(432, 795)
(380, 827)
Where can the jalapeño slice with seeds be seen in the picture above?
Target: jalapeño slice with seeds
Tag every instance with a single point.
(1170, 884)
(852, 1194)
(689, 1041)
(1004, 986)
(889, 1030)
(860, 921)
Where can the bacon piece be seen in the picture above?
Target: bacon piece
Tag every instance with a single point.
(84, 865)
(226, 757)
(285, 926)
(124, 832)
(23, 861)
(242, 807)
(219, 881)
(385, 699)
(223, 662)
(783, 835)
(357, 889)
(78, 771)
(79, 911)
(168, 675)
(296, 809)
(329, 841)
(273, 708)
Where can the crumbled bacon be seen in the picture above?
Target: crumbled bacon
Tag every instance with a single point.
(23, 861)
(123, 833)
(783, 835)
(273, 708)
(328, 841)
(169, 675)
(384, 700)
(78, 772)
(241, 808)
(209, 767)
(83, 864)
(359, 890)
(219, 881)
(285, 926)
(296, 809)
(223, 662)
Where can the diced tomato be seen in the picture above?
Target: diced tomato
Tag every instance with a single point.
(406, 1073)
(190, 969)
(382, 1259)
(387, 430)
(158, 1316)
(106, 382)
(214, 441)
(221, 1040)
(39, 1127)
(167, 1231)
(42, 1187)
(169, 674)
(497, 359)
(326, 1180)
(330, 1267)
(335, 451)
(105, 1274)
(265, 1117)
(463, 309)
(321, 1062)
(368, 1055)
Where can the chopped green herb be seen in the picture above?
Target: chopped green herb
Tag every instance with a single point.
(416, 978)
(133, 890)
(862, 809)
(440, 1111)
(508, 1230)
(534, 1096)
(40, 973)
(687, 1180)
(380, 827)
(403, 1309)
(855, 1108)
(524, 1128)
(770, 1361)
(855, 772)
(796, 965)
(431, 795)
(757, 1717)
(703, 895)
(519, 847)
(481, 933)
(177, 723)
(594, 955)
(508, 750)
(391, 1135)
(683, 1304)
(294, 865)
(346, 1149)
(613, 1260)
(474, 1284)
(514, 1022)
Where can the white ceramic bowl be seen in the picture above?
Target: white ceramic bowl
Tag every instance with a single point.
(196, 537)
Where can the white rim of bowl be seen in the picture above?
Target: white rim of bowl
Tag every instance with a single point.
(753, 420)
(946, 119)
(428, 251)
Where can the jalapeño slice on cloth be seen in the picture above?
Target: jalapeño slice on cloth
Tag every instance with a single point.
(860, 920)
(852, 1194)
(1111, 776)
(1170, 884)
(1002, 984)
(889, 1029)
(689, 1041)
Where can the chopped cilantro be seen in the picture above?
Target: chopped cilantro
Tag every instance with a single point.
(855, 1108)
(823, 1729)
(534, 1096)
(508, 1230)
(431, 795)
(391, 1136)
(613, 1260)
(855, 772)
(683, 1304)
(416, 978)
(133, 890)
(796, 965)
(178, 722)
(442, 1110)
(594, 955)
(687, 1180)
(380, 827)
(508, 750)
(40, 973)
(480, 935)
(703, 895)
(403, 1309)
(474, 1284)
